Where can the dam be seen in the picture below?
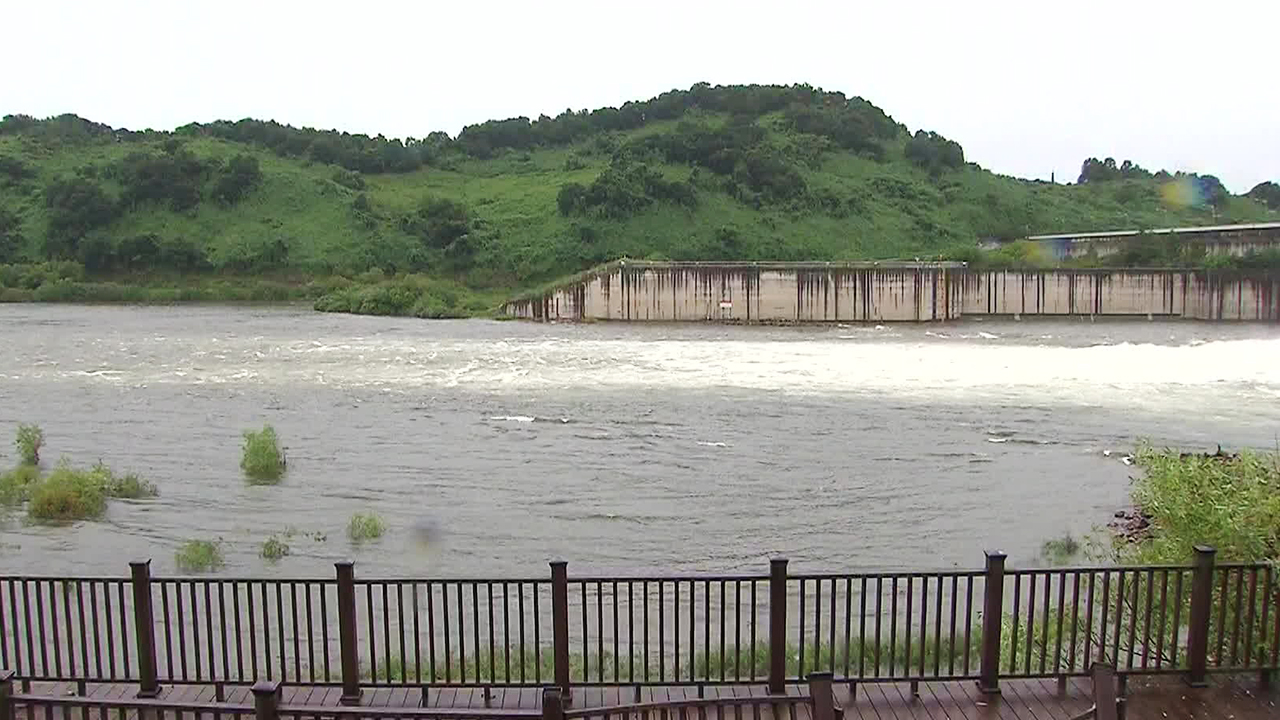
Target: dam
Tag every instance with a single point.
(818, 292)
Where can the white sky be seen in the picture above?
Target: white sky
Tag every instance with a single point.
(1028, 87)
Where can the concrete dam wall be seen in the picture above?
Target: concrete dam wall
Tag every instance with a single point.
(889, 292)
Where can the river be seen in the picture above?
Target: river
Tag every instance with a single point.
(621, 448)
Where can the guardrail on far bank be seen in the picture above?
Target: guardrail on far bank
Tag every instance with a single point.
(563, 630)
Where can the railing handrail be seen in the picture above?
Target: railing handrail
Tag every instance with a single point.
(597, 578)
(632, 708)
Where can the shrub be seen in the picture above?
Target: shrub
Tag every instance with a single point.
(262, 461)
(365, 526)
(199, 556)
(1225, 501)
(274, 548)
(67, 494)
(15, 485)
(235, 181)
(29, 441)
(349, 179)
(128, 486)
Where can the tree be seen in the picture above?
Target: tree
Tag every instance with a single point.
(174, 177)
(237, 179)
(14, 171)
(76, 206)
(438, 222)
(934, 153)
(571, 198)
(11, 238)
(1212, 190)
(1267, 193)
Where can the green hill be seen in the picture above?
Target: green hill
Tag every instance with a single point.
(445, 226)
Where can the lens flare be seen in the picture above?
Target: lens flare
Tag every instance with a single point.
(1182, 193)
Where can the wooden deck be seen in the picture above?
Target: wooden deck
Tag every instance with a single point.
(1157, 698)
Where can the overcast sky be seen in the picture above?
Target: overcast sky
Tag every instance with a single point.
(1028, 88)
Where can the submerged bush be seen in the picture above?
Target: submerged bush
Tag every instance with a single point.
(274, 548)
(67, 494)
(29, 440)
(198, 556)
(128, 486)
(262, 460)
(15, 485)
(365, 526)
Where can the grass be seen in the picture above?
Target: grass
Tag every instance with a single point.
(273, 549)
(1060, 551)
(29, 440)
(262, 459)
(745, 662)
(199, 556)
(67, 494)
(365, 526)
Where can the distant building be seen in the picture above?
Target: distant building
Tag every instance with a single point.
(1217, 239)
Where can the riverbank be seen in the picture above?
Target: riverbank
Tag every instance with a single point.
(367, 294)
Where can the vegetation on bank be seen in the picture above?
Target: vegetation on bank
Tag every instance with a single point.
(1229, 502)
(255, 210)
(262, 459)
(1144, 251)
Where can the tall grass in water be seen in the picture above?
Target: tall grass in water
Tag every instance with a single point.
(262, 459)
(128, 486)
(29, 440)
(273, 549)
(365, 526)
(199, 556)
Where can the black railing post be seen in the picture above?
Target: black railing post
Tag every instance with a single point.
(145, 627)
(824, 703)
(992, 616)
(6, 692)
(777, 626)
(266, 700)
(560, 628)
(348, 639)
(552, 705)
(1198, 622)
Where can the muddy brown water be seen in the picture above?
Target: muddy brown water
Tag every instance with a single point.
(621, 448)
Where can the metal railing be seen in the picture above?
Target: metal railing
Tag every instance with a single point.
(644, 630)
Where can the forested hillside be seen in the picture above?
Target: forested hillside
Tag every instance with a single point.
(446, 225)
